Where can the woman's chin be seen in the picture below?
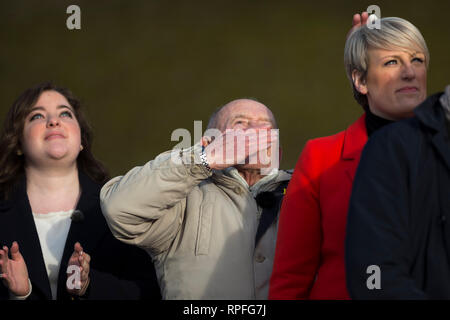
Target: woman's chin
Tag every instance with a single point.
(58, 153)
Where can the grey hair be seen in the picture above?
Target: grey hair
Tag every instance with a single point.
(213, 119)
(394, 33)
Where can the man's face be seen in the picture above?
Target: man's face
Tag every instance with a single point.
(245, 114)
(253, 118)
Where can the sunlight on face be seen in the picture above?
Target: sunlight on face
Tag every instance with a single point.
(51, 131)
(396, 82)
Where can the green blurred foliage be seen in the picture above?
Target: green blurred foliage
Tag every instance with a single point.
(145, 68)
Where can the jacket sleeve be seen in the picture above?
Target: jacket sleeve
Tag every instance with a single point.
(299, 234)
(146, 206)
(378, 220)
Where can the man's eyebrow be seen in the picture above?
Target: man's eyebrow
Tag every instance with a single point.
(247, 117)
(239, 115)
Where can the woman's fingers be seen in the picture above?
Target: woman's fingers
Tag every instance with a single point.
(84, 274)
(4, 276)
(15, 253)
(77, 254)
(85, 267)
(364, 17)
(360, 19)
(6, 279)
(3, 258)
(82, 260)
(356, 19)
(78, 248)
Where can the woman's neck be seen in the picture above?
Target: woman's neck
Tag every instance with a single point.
(52, 190)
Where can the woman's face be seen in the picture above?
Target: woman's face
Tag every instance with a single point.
(51, 132)
(396, 83)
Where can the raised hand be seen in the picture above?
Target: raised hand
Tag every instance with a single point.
(82, 260)
(358, 21)
(237, 146)
(14, 272)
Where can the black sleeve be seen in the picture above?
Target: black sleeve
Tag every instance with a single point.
(121, 271)
(378, 218)
(4, 293)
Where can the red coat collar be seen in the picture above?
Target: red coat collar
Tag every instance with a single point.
(355, 139)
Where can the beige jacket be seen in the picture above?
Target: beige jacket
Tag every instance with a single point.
(199, 228)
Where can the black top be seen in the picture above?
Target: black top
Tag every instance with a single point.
(117, 270)
(374, 122)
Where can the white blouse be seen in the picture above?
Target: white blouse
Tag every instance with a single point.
(52, 229)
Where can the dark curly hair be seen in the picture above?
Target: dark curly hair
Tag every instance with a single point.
(12, 164)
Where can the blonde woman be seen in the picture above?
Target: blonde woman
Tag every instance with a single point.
(387, 68)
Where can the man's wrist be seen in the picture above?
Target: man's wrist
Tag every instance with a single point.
(204, 159)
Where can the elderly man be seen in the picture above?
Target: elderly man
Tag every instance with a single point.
(209, 221)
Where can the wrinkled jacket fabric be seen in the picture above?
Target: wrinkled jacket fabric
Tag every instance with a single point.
(198, 227)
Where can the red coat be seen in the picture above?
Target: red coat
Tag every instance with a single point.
(309, 258)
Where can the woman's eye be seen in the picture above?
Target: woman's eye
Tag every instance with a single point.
(66, 114)
(418, 60)
(36, 116)
(390, 62)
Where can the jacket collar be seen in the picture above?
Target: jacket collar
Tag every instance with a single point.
(431, 114)
(85, 231)
(355, 139)
(445, 101)
(223, 178)
(25, 233)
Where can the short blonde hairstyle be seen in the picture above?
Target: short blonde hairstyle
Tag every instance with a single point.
(394, 34)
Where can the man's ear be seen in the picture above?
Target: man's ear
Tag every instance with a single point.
(358, 82)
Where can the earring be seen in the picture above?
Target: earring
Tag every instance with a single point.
(81, 147)
(19, 152)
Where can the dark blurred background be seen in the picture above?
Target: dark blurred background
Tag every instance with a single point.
(145, 68)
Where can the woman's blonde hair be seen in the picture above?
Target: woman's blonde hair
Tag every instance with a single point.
(394, 34)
